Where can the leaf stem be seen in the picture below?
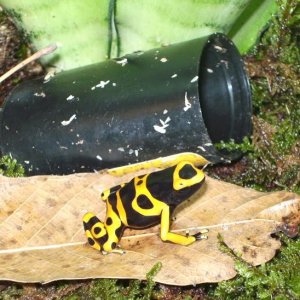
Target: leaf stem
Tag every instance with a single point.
(45, 51)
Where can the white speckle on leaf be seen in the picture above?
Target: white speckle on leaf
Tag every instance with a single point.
(164, 59)
(122, 62)
(26, 162)
(174, 76)
(65, 123)
(99, 157)
(195, 79)
(187, 104)
(209, 70)
(114, 84)
(71, 97)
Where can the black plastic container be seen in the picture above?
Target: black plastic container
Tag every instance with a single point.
(180, 98)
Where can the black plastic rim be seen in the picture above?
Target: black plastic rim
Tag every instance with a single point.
(225, 96)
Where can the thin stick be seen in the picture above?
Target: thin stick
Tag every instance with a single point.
(45, 51)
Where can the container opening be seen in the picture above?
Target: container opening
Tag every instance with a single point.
(224, 91)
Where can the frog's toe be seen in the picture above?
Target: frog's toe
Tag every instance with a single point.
(201, 235)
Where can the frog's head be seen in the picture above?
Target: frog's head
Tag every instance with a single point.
(187, 176)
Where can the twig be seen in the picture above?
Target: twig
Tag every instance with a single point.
(45, 51)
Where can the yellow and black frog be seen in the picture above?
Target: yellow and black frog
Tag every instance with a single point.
(145, 201)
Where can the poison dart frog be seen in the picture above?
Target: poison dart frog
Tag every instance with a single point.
(145, 201)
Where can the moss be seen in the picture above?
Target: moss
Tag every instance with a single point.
(279, 279)
(10, 167)
(109, 289)
(10, 293)
(272, 160)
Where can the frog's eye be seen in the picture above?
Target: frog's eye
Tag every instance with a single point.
(186, 175)
(187, 172)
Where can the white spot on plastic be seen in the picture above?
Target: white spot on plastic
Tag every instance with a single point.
(168, 119)
(220, 49)
(202, 148)
(209, 70)
(26, 162)
(159, 129)
(195, 79)
(101, 84)
(42, 94)
(187, 104)
(122, 62)
(121, 149)
(49, 75)
(165, 111)
(136, 152)
(71, 97)
(99, 157)
(66, 123)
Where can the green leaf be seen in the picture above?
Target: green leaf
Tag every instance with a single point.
(78, 27)
(84, 29)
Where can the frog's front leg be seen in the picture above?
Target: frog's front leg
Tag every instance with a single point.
(166, 235)
(97, 235)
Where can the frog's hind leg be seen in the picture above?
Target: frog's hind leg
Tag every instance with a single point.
(95, 231)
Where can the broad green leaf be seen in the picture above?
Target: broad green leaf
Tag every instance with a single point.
(82, 28)
(78, 27)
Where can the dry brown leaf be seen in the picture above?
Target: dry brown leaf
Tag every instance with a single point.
(42, 238)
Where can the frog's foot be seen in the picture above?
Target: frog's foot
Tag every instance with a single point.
(118, 251)
(199, 235)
